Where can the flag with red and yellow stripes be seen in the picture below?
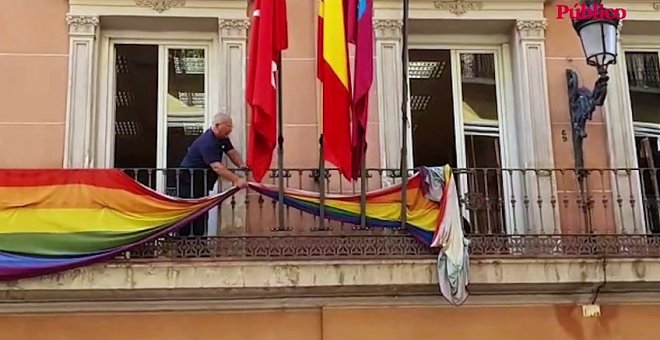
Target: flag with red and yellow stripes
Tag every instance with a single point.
(333, 71)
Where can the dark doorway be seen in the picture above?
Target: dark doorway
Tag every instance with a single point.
(136, 110)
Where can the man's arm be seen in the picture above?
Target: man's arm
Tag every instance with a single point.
(225, 173)
(212, 157)
(235, 157)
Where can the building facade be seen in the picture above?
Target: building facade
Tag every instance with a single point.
(130, 83)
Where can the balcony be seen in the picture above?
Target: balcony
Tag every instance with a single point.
(508, 213)
(513, 219)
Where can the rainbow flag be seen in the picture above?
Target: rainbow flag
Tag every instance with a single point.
(53, 220)
(427, 219)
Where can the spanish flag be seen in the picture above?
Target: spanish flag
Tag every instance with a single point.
(334, 75)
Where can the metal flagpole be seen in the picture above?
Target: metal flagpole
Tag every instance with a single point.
(321, 185)
(363, 189)
(404, 113)
(280, 149)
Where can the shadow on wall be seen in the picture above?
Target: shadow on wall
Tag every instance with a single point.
(570, 318)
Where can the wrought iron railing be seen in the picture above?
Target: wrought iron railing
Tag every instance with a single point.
(507, 213)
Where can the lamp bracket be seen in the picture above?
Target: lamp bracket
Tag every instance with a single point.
(582, 103)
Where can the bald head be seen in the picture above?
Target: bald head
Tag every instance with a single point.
(222, 125)
(221, 118)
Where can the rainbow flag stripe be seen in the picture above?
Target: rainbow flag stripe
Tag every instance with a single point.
(53, 220)
(424, 217)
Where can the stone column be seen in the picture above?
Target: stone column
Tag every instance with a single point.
(233, 67)
(80, 112)
(389, 77)
(618, 118)
(532, 118)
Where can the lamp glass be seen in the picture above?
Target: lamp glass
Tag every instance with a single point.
(599, 41)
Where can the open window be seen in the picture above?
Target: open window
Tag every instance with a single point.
(160, 108)
(455, 108)
(643, 70)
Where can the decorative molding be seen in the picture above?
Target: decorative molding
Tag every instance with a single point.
(458, 7)
(533, 25)
(387, 28)
(208, 302)
(233, 27)
(531, 28)
(81, 24)
(160, 6)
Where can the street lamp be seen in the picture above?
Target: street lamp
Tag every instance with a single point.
(598, 33)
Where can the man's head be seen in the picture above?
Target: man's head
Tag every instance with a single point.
(221, 125)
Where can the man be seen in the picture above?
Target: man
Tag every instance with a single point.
(203, 165)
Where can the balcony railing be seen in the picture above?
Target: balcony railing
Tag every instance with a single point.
(507, 213)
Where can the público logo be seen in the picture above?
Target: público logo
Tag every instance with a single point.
(581, 11)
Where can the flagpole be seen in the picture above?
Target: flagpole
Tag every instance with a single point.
(363, 190)
(321, 185)
(280, 148)
(404, 114)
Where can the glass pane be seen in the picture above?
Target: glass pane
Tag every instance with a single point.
(644, 79)
(480, 116)
(479, 93)
(482, 143)
(136, 111)
(648, 159)
(185, 106)
(432, 108)
(185, 102)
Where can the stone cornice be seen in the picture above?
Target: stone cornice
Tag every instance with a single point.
(82, 24)
(531, 29)
(208, 303)
(387, 28)
(233, 27)
(298, 281)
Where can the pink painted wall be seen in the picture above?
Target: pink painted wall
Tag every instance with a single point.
(565, 322)
(33, 64)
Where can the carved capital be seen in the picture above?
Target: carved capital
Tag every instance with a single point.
(160, 6)
(458, 7)
(387, 28)
(82, 24)
(531, 28)
(233, 27)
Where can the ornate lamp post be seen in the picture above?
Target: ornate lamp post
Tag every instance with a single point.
(598, 34)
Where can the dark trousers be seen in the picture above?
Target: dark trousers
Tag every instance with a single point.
(194, 184)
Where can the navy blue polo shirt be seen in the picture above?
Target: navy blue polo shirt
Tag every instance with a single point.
(205, 150)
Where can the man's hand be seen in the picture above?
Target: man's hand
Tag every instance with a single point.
(241, 183)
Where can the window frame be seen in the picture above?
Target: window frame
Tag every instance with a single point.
(638, 129)
(505, 111)
(106, 91)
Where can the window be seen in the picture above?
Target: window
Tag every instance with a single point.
(160, 108)
(455, 104)
(643, 70)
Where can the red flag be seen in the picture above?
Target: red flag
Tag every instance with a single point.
(362, 32)
(268, 38)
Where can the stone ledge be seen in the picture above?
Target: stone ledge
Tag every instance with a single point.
(280, 279)
(167, 304)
